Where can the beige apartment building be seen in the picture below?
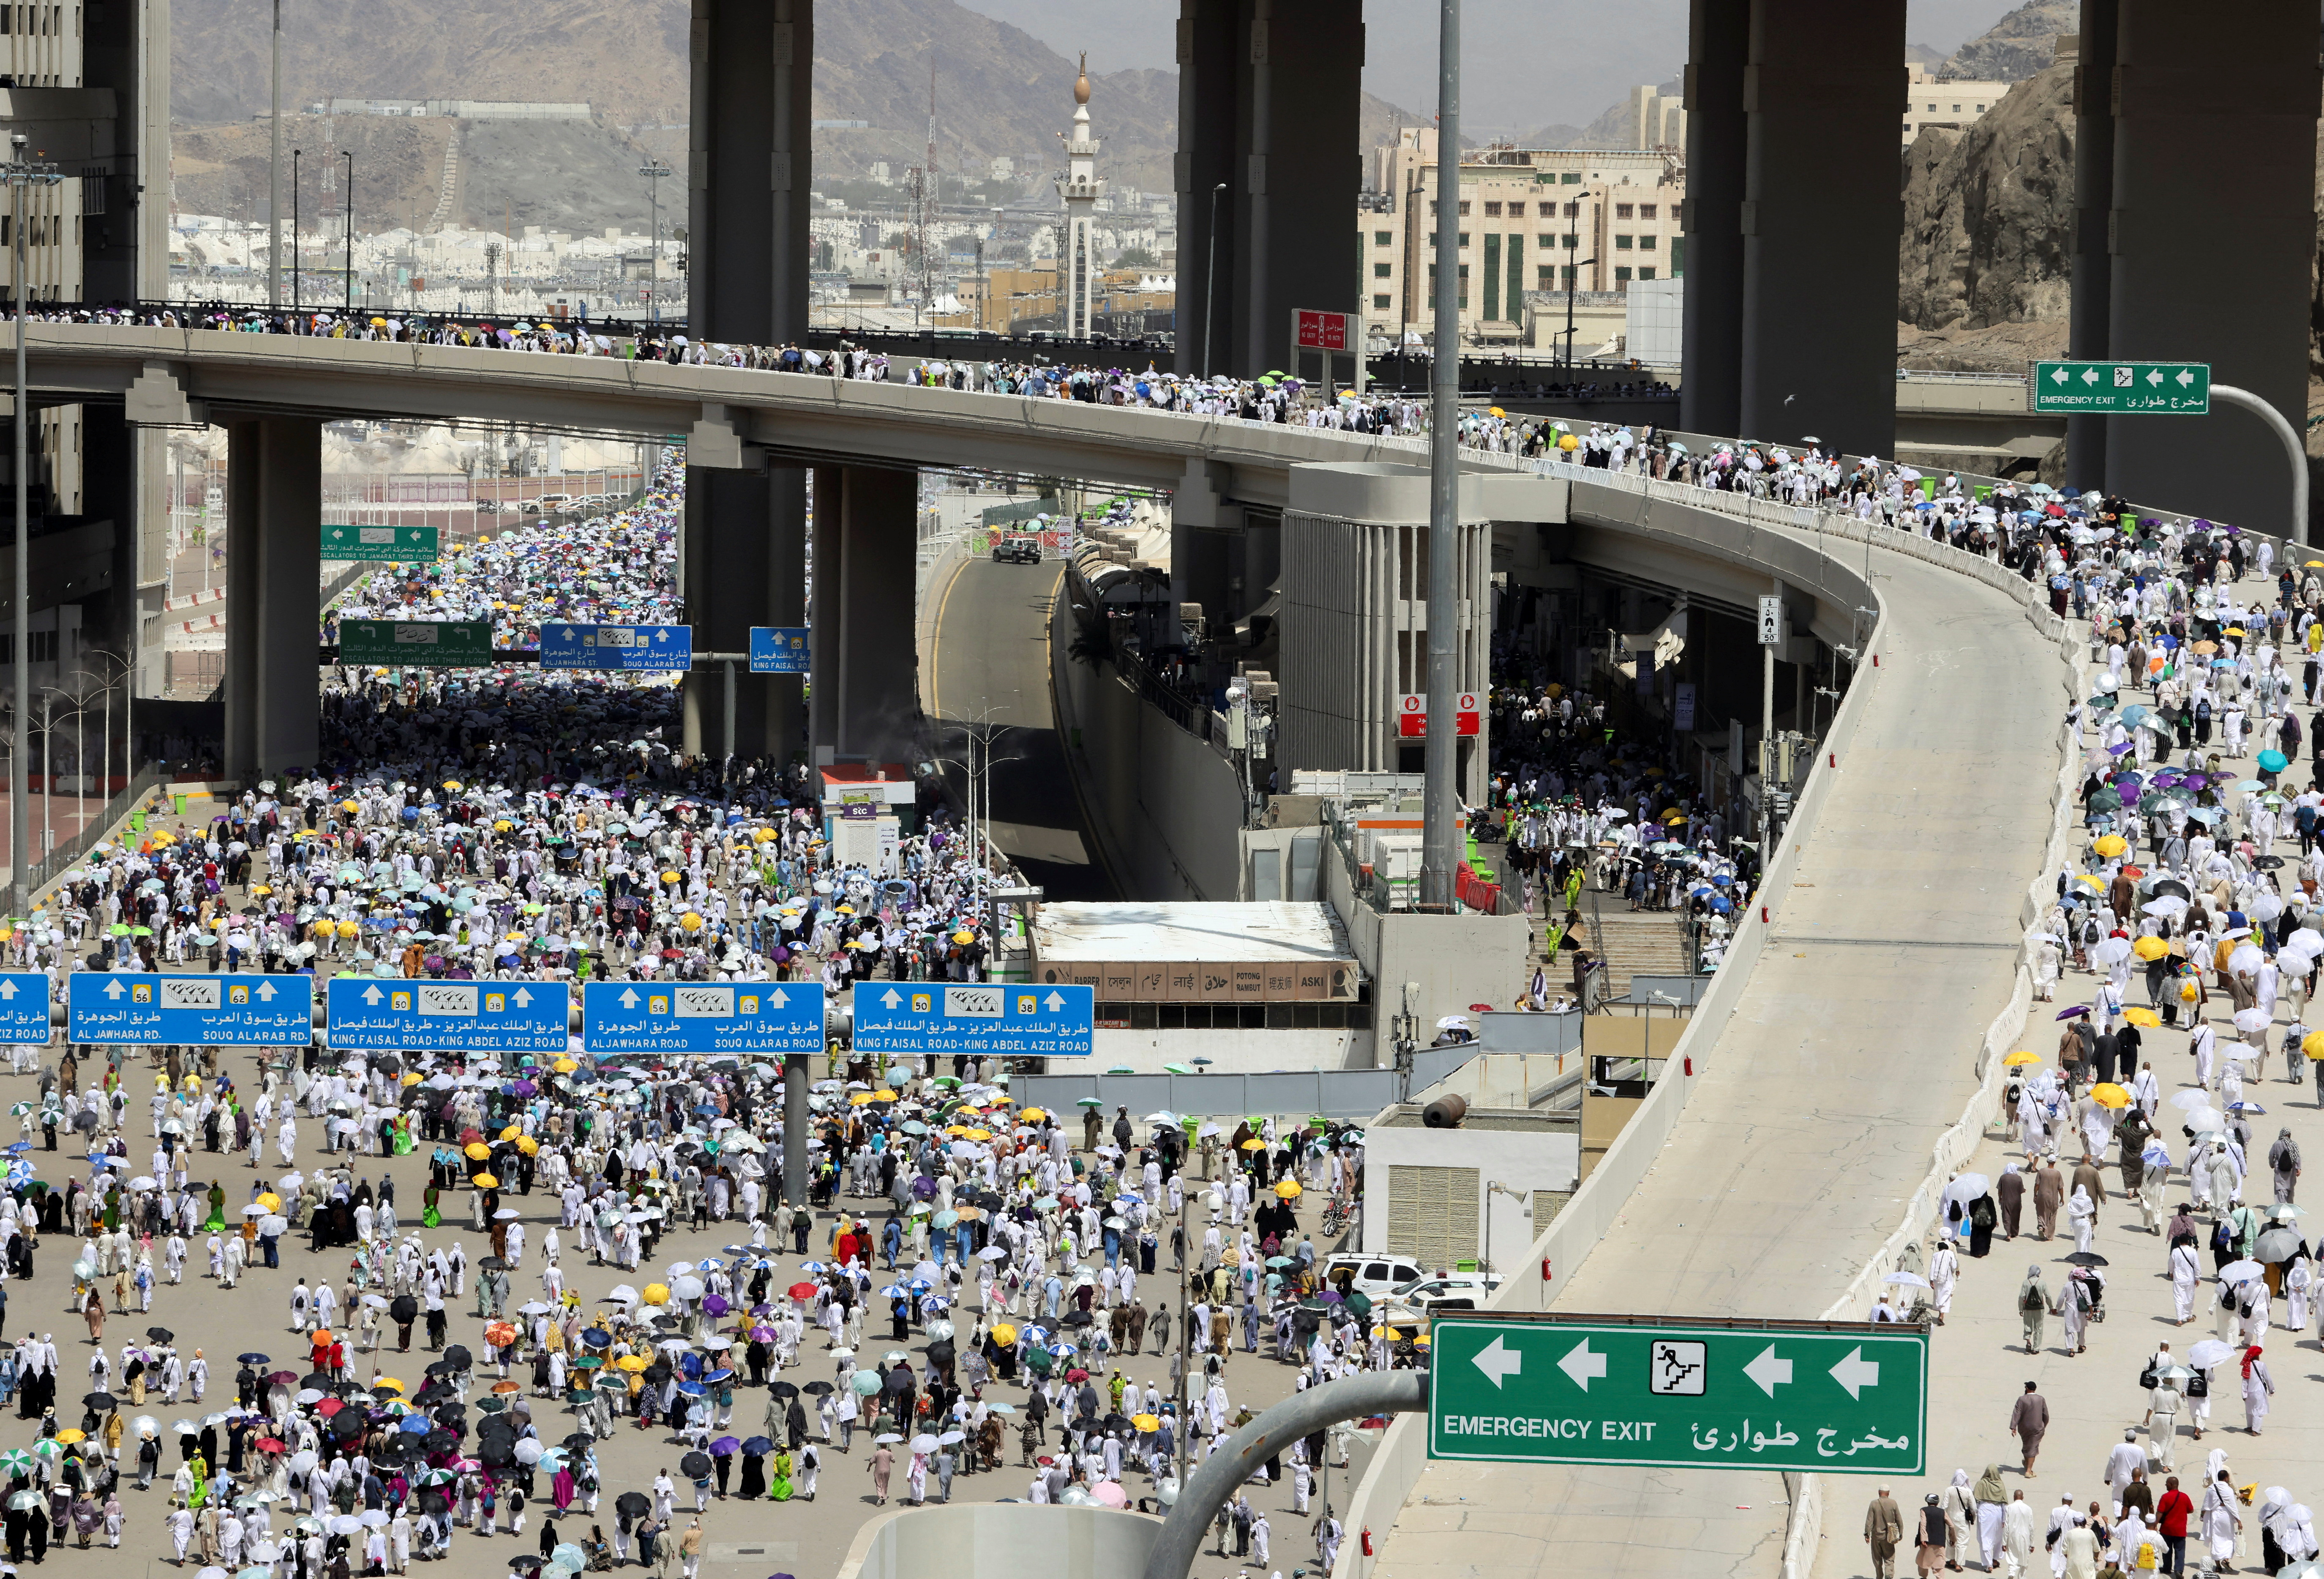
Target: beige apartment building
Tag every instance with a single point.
(1929, 102)
(1531, 220)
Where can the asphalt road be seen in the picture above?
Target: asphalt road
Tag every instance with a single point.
(991, 666)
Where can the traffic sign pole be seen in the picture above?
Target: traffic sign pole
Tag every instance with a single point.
(1850, 1398)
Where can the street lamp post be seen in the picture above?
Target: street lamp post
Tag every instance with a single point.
(1572, 281)
(1210, 279)
(21, 173)
(274, 176)
(653, 170)
(294, 233)
(348, 203)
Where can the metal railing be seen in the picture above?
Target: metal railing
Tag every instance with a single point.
(1951, 375)
(92, 832)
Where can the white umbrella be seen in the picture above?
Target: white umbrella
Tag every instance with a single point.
(2209, 1351)
(2189, 1100)
(2111, 951)
(2241, 1272)
(2251, 1020)
(1967, 1188)
(1906, 1280)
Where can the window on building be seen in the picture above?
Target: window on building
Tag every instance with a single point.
(1932, 109)
(1516, 211)
(1621, 272)
(1645, 274)
(1380, 270)
(1380, 303)
(1955, 109)
(1572, 211)
(1621, 210)
(1565, 273)
(1572, 241)
(1465, 208)
(1464, 241)
(1545, 239)
(1648, 210)
(1570, 179)
(1678, 256)
(1981, 109)
(1545, 278)
(1383, 239)
(1492, 210)
(1646, 243)
(1622, 243)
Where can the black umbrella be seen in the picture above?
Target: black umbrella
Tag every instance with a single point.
(1077, 1318)
(528, 1562)
(632, 1503)
(432, 1501)
(458, 1357)
(403, 1308)
(98, 1400)
(813, 1388)
(579, 1442)
(498, 1452)
(440, 1368)
(696, 1464)
(491, 1263)
(160, 1334)
(440, 1440)
(253, 1358)
(320, 1381)
(348, 1422)
(2086, 1258)
(85, 1122)
(452, 1415)
(940, 1351)
(785, 1389)
(900, 1380)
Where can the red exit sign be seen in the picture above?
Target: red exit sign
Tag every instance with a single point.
(1322, 331)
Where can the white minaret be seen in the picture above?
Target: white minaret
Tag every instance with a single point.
(1080, 188)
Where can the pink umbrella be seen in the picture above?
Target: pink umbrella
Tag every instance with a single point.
(1109, 1494)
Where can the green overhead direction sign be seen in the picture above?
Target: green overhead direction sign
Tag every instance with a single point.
(1846, 1397)
(420, 643)
(2121, 388)
(404, 545)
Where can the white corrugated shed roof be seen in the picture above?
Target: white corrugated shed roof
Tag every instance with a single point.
(1124, 932)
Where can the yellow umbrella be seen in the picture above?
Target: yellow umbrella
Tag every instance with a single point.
(388, 1382)
(2312, 1043)
(410, 1079)
(2109, 1095)
(451, 783)
(2110, 845)
(859, 1098)
(883, 1094)
(527, 1145)
(477, 1151)
(72, 1434)
(632, 1362)
(565, 1066)
(2022, 1058)
(1254, 1144)
(270, 1201)
(2145, 1018)
(657, 1294)
(1146, 1422)
(2092, 882)
(1288, 1189)
(512, 1132)
(2149, 948)
(486, 1181)
(1033, 1115)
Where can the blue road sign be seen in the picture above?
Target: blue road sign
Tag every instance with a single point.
(230, 1010)
(24, 1006)
(669, 1017)
(778, 650)
(384, 1016)
(936, 1019)
(638, 649)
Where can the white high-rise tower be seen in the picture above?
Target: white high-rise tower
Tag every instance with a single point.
(1080, 188)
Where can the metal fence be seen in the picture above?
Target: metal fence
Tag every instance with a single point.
(63, 857)
(1333, 1094)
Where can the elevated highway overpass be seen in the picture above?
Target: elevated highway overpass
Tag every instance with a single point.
(1888, 947)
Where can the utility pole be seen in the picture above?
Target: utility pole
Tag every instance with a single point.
(274, 176)
(653, 170)
(1439, 839)
(347, 203)
(20, 173)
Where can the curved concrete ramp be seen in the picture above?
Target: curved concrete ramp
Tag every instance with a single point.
(1851, 1048)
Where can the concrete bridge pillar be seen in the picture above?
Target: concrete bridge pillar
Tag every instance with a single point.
(2214, 155)
(747, 253)
(1268, 92)
(865, 696)
(274, 490)
(2090, 317)
(1718, 36)
(1823, 97)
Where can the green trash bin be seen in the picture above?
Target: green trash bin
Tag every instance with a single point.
(180, 802)
(137, 821)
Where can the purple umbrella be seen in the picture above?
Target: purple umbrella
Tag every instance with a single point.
(724, 1446)
(715, 1304)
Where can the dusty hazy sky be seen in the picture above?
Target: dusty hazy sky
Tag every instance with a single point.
(1526, 63)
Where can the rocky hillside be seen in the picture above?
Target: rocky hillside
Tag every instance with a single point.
(1989, 213)
(2017, 46)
